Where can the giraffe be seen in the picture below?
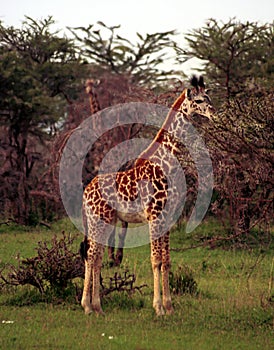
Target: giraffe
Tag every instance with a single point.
(99, 196)
(91, 84)
(115, 260)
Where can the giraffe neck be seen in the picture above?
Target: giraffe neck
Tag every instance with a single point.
(169, 135)
(94, 103)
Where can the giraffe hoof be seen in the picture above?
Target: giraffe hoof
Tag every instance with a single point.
(168, 307)
(170, 311)
(88, 311)
(86, 306)
(98, 311)
(160, 311)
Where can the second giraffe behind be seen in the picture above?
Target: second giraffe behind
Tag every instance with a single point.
(149, 170)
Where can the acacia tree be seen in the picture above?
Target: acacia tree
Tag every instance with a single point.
(241, 143)
(234, 55)
(237, 59)
(140, 62)
(38, 72)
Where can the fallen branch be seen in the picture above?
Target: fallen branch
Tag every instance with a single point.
(121, 283)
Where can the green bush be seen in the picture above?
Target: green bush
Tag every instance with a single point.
(50, 271)
(182, 281)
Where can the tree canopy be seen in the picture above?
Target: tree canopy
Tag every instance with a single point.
(140, 61)
(39, 74)
(38, 70)
(235, 55)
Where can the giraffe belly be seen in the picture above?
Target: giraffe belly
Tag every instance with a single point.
(132, 217)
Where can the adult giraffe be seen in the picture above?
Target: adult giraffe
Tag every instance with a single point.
(105, 191)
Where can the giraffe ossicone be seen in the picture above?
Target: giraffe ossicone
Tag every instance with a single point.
(155, 187)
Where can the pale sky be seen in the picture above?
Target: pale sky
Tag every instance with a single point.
(143, 16)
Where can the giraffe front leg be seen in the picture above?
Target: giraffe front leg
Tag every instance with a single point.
(156, 260)
(166, 290)
(157, 301)
(165, 275)
(85, 302)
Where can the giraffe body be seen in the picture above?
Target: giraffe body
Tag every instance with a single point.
(147, 210)
(139, 195)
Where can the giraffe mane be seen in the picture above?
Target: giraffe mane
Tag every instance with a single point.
(201, 82)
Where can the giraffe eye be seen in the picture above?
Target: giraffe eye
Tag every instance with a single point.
(199, 101)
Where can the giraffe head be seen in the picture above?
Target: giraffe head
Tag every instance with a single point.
(91, 84)
(197, 101)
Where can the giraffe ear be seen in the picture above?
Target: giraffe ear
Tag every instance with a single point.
(188, 93)
(201, 83)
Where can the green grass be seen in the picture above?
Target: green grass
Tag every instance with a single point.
(231, 311)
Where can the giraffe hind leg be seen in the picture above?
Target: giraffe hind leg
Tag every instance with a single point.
(111, 248)
(85, 302)
(116, 259)
(93, 264)
(96, 300)
(119, 251)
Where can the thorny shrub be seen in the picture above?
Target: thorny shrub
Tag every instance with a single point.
(54, 268)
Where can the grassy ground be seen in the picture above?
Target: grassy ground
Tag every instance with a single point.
(231, 311)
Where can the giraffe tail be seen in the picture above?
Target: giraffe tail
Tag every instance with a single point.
(84, 245)
(83, 249)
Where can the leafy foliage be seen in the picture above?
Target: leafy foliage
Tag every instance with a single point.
(235, 55)
(140, 61)
(241, 142)
(36, 67)
(38, 76)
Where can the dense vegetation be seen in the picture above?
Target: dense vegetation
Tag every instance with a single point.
(42, 75)
(222, 277)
